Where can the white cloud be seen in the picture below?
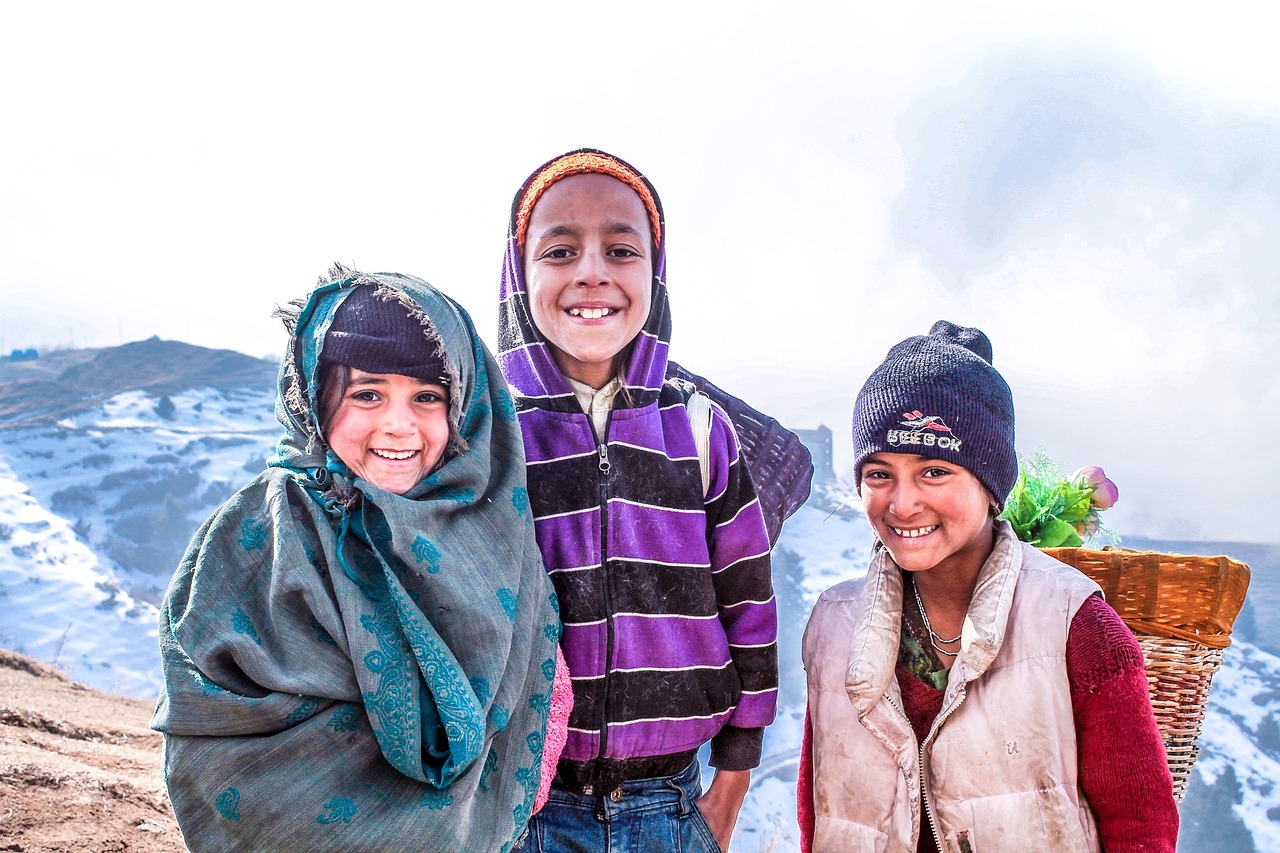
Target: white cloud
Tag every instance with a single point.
(1120, 261)
(835, 179)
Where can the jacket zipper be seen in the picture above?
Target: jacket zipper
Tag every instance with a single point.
(604, 465)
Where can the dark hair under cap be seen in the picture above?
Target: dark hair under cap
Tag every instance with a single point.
(380, 335)
(937, 395)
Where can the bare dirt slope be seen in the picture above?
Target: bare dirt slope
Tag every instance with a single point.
(79, 769)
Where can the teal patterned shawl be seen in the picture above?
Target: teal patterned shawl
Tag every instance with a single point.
(348, 669)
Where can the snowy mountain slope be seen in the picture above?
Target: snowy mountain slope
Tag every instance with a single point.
(61, 605)
(135, 484)
(97, 505)
(1245, 695)
(834, 546)
(101, 507)
(819, 547)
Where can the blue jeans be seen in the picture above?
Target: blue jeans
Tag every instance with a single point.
(641, 816)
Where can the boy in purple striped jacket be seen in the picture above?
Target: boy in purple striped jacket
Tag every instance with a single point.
(670, 625)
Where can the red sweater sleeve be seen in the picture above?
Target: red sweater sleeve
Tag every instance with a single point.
(1124, 773)
(804, 788)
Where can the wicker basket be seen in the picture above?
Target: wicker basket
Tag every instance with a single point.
(780, 465)
(1181, 609)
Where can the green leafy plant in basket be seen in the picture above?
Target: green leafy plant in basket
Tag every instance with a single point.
(1051, 510)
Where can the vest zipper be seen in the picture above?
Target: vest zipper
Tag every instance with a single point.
(925, 798)
(926, 814)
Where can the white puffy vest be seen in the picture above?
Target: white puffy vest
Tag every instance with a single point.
(999, 766)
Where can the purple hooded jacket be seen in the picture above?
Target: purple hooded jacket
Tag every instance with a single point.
(670, 624)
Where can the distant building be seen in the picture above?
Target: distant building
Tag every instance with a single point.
(819, 443)
(24, 355)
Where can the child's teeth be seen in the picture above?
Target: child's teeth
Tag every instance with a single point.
(394, 454)
(590, 313)
(912, 534)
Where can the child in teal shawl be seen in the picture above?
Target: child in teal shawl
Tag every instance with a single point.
(349, 667)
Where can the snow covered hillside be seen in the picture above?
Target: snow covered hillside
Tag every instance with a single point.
(819, 547)
(137, 474)
(60, 605)
(102, 486)
(1239, 766)
(96, 513)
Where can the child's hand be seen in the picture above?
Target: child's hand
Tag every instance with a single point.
(722, 802)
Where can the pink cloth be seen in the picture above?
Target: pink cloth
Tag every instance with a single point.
(557, 728)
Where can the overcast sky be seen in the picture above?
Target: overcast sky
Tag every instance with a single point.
(1096, 187)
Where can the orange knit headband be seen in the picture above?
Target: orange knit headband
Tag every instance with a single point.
(578, 163)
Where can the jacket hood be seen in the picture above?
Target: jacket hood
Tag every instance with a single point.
(524, 353)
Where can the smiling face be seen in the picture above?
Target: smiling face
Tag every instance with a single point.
(930, 514)
(390, 430)
(588, 267)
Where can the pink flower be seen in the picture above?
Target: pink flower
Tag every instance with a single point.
(1086, 527)
(1105, 493)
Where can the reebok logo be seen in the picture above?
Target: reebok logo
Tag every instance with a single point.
(926, 431)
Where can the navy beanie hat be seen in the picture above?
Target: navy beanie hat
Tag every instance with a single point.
(937, 395)
(380, 335)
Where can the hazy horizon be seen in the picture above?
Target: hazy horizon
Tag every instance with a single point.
(1093, 185)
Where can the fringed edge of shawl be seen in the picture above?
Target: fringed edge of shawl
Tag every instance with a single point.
(295, 397)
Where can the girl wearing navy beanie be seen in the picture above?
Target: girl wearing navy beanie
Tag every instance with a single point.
(970, 693)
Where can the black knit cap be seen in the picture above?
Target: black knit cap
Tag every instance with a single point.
(379, 335)
(937, 395)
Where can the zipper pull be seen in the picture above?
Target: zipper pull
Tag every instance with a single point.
(604, 459)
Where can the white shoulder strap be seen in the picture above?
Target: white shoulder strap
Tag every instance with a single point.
(698, 407)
